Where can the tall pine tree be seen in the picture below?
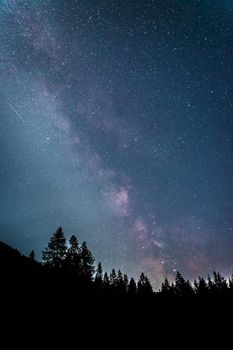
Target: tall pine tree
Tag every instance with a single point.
(54, 254)
(132, 290)
(73, 256)
(99, 275)
(113, 278)
(182, 287)
(144, 286)
(87, 262)
(106, 282)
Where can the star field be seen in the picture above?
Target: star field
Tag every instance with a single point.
(116, 123)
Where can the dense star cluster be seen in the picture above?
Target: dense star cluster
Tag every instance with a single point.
(116, 123)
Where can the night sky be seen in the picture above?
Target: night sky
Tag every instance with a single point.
(116, 122)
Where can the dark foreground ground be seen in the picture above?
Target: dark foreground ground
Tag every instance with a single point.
(41, 309)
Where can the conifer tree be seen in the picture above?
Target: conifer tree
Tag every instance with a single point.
(220, 283)
(73, 256)
(106, 282)
(87, 262)
(132, 290)
(182, 287)
(54, 254)
(201, 287)
(125, 283)
(166, 288)
(120, 282)
(113, 278)
(144, 286)
(32, 255)
(99, 275)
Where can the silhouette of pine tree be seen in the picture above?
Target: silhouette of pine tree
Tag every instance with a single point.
(119, 277)
(201, 287)
(54, 254)
(167, 289)
(211, 286)
(113, 279)
(120, 282)
(173, 289)
(73, 256)
(132, 289)
(183, 288)
(125, 283)
(106, 282)
(99, 275)
(32, 255)
(87, 262)
(144, 286)
(220, 283)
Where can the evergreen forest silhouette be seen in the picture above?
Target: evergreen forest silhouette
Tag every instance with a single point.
(67, 281)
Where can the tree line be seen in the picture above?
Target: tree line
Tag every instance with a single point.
(76, 261)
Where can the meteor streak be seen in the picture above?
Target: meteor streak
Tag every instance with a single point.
(16, 112)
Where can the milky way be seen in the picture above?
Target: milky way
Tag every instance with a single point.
(116, 123)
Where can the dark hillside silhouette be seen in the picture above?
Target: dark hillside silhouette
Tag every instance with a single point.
(67, 284)
(73, 262)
